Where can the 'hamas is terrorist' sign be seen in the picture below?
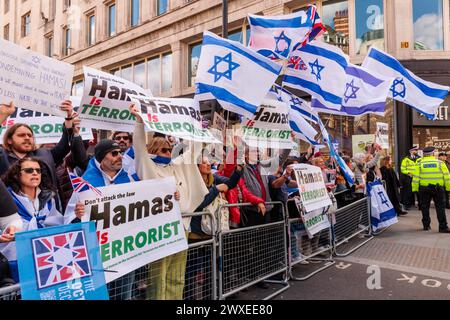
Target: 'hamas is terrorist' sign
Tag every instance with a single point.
(175, 117)
(269, 127)
(137, 223)
(106, 101)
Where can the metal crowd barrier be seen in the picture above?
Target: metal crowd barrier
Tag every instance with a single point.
(10, 293)
(252, 254)
(308, 251)
(352, 223)
(187, 275)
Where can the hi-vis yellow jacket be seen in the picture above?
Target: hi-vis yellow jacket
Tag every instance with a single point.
(407, 166)
(430, 171)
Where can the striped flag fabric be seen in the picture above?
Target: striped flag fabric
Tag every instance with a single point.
(323, 76)
(81, 185)
(365, 92)
(276, 36)
(236, 76)
(298, 104)
(424, 96)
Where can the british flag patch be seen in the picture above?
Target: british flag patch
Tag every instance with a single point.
(297, 63)
(60, 258)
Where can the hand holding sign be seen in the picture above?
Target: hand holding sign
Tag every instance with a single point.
(8, 235)
(6, 110)
(80, 210)
(135, 112)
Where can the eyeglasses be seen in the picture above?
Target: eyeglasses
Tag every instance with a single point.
(115, 153)
(31, 170)
(124, 138)
(165, 150)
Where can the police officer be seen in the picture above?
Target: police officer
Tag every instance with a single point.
(431, 179)
(406, 172)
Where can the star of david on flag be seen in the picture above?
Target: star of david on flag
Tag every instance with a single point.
(324, 82)
(276, 36)
(236, 76)
(365, 92)
(424, 96)
(60, 258)
(219, 64)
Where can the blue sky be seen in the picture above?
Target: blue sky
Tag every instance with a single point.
(427, 19)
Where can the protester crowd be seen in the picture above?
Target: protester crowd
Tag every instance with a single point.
(36, 190)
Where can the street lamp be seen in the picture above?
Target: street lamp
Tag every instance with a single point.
(225, 19)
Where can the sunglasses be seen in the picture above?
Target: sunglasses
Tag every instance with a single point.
(124, 138)
(31, 170)
(115, 153)
(165, 150)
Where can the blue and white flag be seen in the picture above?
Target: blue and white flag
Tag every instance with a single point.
(236, 76)
(382, 211)
(275, 36)
(298, 104)
(302, 129)
(318, 69)
(346, 171)
(424, 96)
(365, 92)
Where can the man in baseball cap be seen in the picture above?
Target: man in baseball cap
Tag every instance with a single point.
(406, 171)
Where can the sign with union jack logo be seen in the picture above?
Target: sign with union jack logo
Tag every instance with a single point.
(60, 258)
(61, 263)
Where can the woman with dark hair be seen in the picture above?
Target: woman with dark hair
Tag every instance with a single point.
(34, 194)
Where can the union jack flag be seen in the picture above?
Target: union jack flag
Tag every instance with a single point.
(60, 258)
(80, 185)
(297, 63)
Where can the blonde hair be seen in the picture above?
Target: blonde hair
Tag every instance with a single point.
(156, 144)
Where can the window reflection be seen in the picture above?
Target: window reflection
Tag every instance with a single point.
(369, 25)
(335, 20)
(166, 72)
(153, 66)
(428, 28)
(194, 56)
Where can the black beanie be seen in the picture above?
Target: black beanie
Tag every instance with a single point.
(103, 147)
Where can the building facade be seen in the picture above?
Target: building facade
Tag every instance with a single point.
(156, 43)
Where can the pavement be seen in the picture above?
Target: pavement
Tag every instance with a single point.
(403, 262)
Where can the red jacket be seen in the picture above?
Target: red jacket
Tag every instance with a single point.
(232, 195)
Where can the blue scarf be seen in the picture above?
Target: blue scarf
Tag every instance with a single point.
(162, 160)
(94, 176)
(24, 214)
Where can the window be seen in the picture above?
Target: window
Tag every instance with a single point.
(112, 20)
(67, 40)
(335, 20)
(154, 73)
(135, 12)
(91, 30)
(26, 27)
(77, 88)
(67, 4)
(6, 32)
(162, 6)
(369, 25)
(166, 72)
(194, 57)
(428, 25)
(49, 45)
(237, 35)
(6, 6)
(153, 67)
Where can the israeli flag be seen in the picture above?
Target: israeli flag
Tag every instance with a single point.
(365, 92)
(236, 76)
(424, 96)
(318, 69)
(382, 211)
(299, 105)
(346, 171)
(302, 129)
(275, 36)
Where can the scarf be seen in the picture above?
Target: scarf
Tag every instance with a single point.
(94, 176)
(162, 160)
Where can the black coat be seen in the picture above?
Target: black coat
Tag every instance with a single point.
(392, 184)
